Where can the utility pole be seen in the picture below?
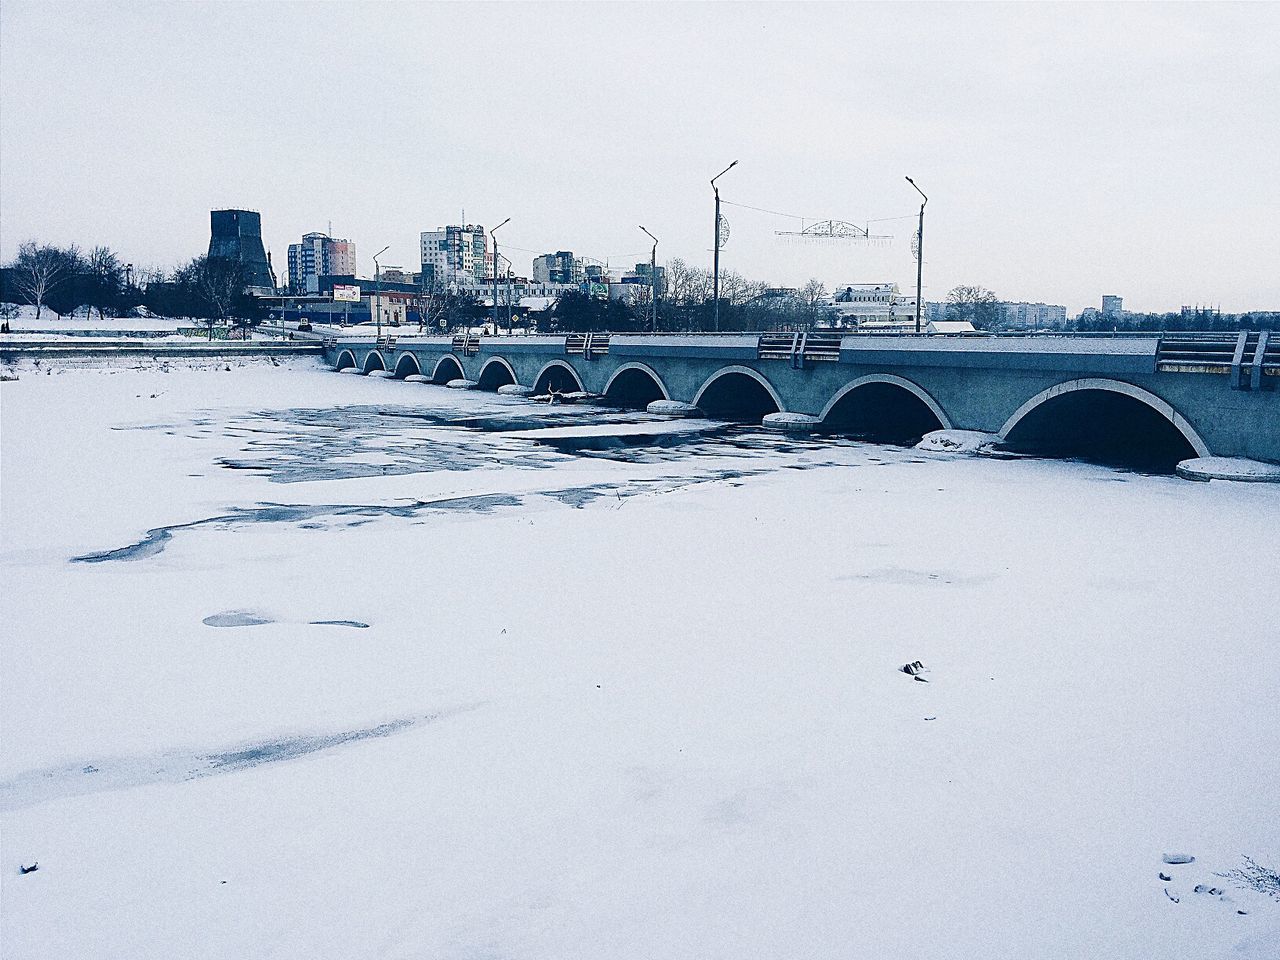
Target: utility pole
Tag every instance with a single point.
(510, 319)
(715, 273)
(653, 278)
(494, 233)
(377, 287)
(919, 255)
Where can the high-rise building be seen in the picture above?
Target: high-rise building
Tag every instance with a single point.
(558, 267)
(319, 255)
(456, 254)
(237, 235)
(643, 275)
(1112, 306)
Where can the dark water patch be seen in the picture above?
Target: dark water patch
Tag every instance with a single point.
(150, 545)
(579, 497)
(293, 747)
(901, 576)
(235, 618)
(158, 538)
(123, 773)
(340, 623)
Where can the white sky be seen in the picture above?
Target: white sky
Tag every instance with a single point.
(1068, 151)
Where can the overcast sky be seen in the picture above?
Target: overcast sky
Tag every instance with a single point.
(1068, 151)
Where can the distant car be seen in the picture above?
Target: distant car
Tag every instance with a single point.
(304, 327)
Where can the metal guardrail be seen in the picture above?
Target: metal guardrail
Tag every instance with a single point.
(466, 344)
(1245, 356)
(799, 348)
(587, 345)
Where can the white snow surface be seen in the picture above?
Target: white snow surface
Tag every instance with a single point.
(667, 721)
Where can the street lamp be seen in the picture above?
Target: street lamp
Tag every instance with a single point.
(653, 276)
(715, 281)
(919, 255)
(377, 287)
(494, 233)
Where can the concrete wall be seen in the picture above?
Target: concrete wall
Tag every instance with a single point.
(973, 384)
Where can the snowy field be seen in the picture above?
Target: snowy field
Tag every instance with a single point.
(301, 665)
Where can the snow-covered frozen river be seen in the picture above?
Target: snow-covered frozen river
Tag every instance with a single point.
(300, 665)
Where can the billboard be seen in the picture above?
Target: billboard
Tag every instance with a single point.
(346, 293)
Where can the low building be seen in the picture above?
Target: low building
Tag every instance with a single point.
(949, 327)
(874, 308)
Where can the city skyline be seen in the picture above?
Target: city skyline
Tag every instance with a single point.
(1110, 150)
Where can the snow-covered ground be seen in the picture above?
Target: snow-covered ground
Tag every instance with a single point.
(300, 665)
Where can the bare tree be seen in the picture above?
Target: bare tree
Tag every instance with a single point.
(105, 280)
(978, 305)
(687, 285)
(812, 295)
(41, 269)
(221, 283)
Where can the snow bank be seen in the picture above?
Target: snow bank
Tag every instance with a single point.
(791, 422)
(957, 441)
(1229, 468)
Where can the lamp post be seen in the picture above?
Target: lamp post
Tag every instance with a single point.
(919, 255)
(494, 233)
(377, 287)
(715, 272)
(653, 277)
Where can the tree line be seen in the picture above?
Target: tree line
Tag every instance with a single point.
(67, 279)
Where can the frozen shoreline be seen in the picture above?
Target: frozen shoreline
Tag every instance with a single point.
(685, 732)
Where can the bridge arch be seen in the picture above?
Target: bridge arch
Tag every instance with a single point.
(447, 368)
(738, 393)
(497, 372)
(557, 375)
(345, 359)
(635, 384)
(1108, 421)
(884, 407)
(373, 361)
(406, 365)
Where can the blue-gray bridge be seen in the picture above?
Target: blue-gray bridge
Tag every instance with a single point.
(1166, 397)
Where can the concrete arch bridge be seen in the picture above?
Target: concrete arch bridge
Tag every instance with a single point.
(1146, 399)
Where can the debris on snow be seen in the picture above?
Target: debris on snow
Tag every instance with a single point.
(1179, 858)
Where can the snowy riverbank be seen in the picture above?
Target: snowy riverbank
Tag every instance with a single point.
(507, 699)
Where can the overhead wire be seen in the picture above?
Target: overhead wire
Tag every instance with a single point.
(796, 216)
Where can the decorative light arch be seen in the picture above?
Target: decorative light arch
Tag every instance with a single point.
(1161, 407)
(913, 388)
(755, 375)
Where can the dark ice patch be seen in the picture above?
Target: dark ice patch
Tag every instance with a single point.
(235, 618)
